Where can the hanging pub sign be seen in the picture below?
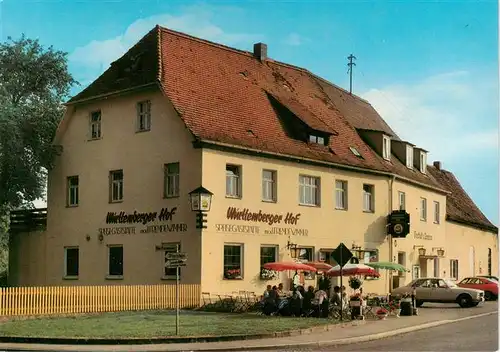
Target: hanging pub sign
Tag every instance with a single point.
(146, 219)
(398, 223)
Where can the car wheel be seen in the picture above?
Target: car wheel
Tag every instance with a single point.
(488, 296)
(464, 301)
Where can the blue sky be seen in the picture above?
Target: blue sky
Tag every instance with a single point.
(430, 68)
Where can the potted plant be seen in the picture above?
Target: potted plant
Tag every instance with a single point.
(232, 274)
(382, 313)
(266, 274)
(354, 282)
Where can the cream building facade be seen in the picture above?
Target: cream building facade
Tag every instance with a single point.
(131, 151)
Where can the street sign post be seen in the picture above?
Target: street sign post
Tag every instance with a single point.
(176, 260)
(342, 255)
(179, 255)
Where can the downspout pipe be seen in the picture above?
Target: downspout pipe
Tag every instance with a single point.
(391, 255)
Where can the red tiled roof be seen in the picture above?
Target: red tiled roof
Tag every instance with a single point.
(459, 206)
(222, 95)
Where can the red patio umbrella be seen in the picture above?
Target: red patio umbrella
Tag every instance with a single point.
(282, 266)
(320, 266)
(353, 269)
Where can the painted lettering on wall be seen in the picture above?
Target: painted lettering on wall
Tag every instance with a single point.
(422, 236)
(137, 217)
(256, 230)
(143, 218)
(269, 218)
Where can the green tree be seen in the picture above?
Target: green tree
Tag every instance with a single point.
(34, 82)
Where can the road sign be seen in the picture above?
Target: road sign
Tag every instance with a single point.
(342, 255)
(174, 264)
(173, 255)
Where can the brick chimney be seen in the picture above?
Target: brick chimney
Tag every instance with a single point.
(260, 51)
(437, 165)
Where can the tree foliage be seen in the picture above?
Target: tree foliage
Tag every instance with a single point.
(34, 81)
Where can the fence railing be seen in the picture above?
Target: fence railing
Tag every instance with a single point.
(25, 301)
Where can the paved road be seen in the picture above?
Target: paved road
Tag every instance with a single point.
(480, 334)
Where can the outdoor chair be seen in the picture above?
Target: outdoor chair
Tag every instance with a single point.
(207, 299)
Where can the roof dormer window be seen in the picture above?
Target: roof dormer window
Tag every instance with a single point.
(316, 139)
(409, 157)
(423, 162)
(386, 148)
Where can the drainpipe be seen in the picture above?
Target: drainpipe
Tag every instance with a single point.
(391, 183)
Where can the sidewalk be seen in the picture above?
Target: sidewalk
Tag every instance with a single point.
(344, 333)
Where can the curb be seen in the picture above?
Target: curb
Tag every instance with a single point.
(345, 341)
(170, 340)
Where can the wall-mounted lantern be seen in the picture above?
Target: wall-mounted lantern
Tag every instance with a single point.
(201, 202)
(292, 247)
(359, 253)
(421, 250)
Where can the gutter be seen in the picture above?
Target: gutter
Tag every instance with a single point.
(391, 249)
(117, 92)
(326, 163)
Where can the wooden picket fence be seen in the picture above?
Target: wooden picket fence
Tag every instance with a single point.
(26, 301)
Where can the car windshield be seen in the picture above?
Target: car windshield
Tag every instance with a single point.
(450, 283)
(492, 280)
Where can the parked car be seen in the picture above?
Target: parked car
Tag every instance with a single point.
(437, 290)
(489, 277)
(489, 286)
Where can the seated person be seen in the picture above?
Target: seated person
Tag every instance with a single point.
(266, 293)
(307, 301)
(270, 302)
(280, 290)
(336, 299)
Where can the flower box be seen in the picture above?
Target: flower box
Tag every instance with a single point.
(266, 274)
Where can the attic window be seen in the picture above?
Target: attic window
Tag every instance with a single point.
(316, 139)
(409, 157)
(355, 152)
(423, 162)
(386, 148)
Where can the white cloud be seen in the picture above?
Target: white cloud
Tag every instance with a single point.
(293, 39)
(453, 115)
(93, 58)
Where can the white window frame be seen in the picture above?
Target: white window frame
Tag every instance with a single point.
(409, 156)
(402, 200)
(423, 209)
(170, 247)
(66, 276)
(437, 212)
(172, 180)
(316, 139)
(115, 194)
(386, 147)
(95, 120)
(269, 186)
(233, 181)
(423, 162)
(309, 190)
(341, 194)
(115, 276)
(369, 198)
(415, 272)
(144, 116)
(276, 252)
(73, 196)
(242, 253)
